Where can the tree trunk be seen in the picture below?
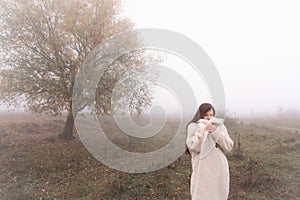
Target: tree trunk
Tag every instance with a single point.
(68, 130)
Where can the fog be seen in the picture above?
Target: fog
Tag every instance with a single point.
(255, 46)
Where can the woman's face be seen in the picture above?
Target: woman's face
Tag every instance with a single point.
(209, 114)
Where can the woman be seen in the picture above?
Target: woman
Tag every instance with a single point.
(207, 144)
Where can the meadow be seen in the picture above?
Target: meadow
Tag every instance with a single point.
(37, 164)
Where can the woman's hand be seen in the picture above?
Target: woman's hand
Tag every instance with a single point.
(210, 128)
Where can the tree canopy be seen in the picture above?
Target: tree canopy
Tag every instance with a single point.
(43, 44)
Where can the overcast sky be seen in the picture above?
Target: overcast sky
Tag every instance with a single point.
(255, 45)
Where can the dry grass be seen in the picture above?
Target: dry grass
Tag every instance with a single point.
(36, 164)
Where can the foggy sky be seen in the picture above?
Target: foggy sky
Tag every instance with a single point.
(255, 45)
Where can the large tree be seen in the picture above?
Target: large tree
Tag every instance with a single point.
(43, 44)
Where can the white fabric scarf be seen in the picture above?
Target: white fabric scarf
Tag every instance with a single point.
(208, 142)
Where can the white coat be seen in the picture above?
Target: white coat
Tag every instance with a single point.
(210, 171)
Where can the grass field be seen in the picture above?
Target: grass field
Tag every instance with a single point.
(36, 164)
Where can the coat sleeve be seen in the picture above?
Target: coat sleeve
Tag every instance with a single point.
(223, 139)
(194, 138)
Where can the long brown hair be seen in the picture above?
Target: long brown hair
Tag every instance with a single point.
(200, 113)
(203, 108)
